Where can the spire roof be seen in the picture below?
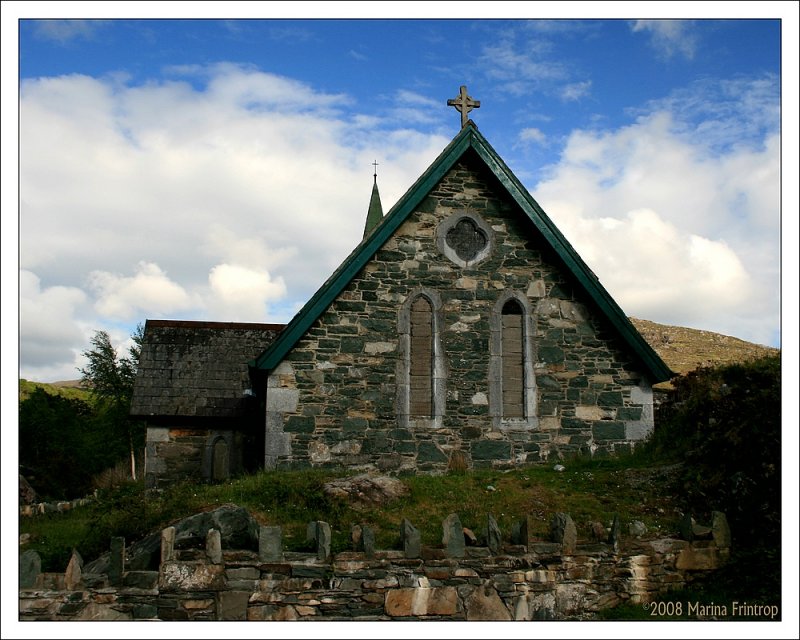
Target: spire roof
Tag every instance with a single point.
(375, 211)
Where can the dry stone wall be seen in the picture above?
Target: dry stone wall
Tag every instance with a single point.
(535, 580)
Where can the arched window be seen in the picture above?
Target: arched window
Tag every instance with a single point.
(513, 381)
(421, 366)
(512, 385)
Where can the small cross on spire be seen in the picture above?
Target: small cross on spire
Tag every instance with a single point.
(375, 174)
(464, 104)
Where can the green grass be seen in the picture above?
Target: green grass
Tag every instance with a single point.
(588, 491)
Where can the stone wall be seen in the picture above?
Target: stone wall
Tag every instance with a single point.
(176, 454)
(533, 580)
(340, 398)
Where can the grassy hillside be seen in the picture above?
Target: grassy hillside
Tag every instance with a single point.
(67, 389)
(684, 349)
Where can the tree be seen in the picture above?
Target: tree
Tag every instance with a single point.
(110, 381)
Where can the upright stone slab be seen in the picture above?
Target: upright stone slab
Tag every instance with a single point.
(519, 532)
(167, 544)
(323, 540)
(493, 538)
(214, 546)
(270, 545)
(720, 530)
(363, 538)
(72, 576)
(30, 567)
(615, 535)
(563, 531)
(453, 536)
(116, 561)
(686, 527)
(368, 541)
(411, 539)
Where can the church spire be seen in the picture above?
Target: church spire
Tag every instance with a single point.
(375, 211)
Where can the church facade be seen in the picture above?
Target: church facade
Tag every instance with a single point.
(464, 331)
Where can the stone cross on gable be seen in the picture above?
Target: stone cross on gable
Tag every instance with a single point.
(464, 104)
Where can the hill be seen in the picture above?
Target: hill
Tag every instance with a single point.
(684, 349)
(67, 388)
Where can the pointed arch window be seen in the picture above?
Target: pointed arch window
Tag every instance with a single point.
(421, 367)
(513, 371)
(512, 385)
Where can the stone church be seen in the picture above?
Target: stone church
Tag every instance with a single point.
(464, 331)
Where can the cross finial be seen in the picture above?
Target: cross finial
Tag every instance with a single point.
(375, 174)
(464, 104)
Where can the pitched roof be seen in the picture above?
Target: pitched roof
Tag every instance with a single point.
(469, 138)
(197, 369)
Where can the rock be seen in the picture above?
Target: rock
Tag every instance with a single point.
(469, 537)
(72, 576)
(599, 531)
(720, 530)
(453, 536)
(637, 528)
(564, 532)
(238, 530)
(410, 539)
(30, 566)
(27, 495)
(366, 490)
(615, 535)
(493, 539)
(686, 527)
(484, 603)
(559, 467)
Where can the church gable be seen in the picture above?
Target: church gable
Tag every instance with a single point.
(463, 328)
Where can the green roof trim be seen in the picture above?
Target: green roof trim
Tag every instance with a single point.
(468, 138)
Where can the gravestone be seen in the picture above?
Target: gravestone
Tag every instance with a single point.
(30, 566)
(410, 539)
(453, 536)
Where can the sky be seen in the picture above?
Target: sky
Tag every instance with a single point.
(210, 161)
(215, 168)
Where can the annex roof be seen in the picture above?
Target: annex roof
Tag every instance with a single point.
(197, 369)
(468, 139)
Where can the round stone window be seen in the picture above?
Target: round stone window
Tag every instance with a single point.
(464, 238)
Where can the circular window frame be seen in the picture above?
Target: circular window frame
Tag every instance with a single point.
(449, 223)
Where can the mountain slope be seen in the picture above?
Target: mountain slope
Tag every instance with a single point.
(684, 349)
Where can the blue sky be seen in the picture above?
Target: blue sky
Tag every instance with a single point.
(220, 169)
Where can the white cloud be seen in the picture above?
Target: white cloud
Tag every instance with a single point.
(669, 37)
(575, 90)
(149, 290)
(65, 30)
(533, 135)
(241, 293)
(50, 333)
(246, 171)
(675, 229)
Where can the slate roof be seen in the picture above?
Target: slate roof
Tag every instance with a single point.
(197, 369)
(468, 140)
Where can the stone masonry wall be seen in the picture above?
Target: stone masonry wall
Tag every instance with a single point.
(336, 399)
(176, 454)
(534, 581)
